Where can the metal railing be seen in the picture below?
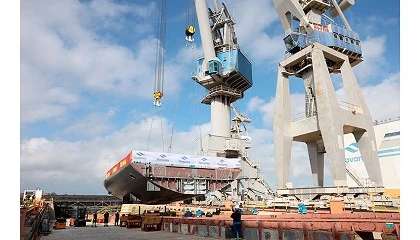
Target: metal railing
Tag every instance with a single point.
(352, 173)
(344, 105)
(393, 119)
(34, 222)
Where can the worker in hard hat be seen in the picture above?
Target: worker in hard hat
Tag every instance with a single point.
(188, 213)
(237, 225)
(198, 213)
(255, 210)
(302, 209)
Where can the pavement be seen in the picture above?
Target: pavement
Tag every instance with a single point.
(115, 232)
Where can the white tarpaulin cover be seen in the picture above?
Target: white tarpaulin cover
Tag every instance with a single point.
(173, 159)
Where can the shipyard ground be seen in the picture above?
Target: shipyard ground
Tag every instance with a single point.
(115, 232)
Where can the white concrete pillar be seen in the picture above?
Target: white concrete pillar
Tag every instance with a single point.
(329, 118)
(317, 164)
(220, 116)
(369, 153)
(366, 140)
(282, 129)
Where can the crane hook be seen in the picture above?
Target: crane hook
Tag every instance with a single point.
(190, 32)
(158, 96)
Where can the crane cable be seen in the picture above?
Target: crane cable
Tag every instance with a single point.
(151, 127)
(159, 69)
(190, 21)
(160, 56)
(150, 130)
(198, 113)
(176, 108)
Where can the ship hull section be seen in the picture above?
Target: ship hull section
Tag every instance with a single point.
(159, 184)
(129, 180)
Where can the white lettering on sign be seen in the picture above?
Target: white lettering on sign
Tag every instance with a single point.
(319, 27)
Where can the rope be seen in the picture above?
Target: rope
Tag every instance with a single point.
(160, 65)
(176, 108)
(190, 13)
(198, 121)
(187, 13)
(151, 126)
(161, 128)
(198, 109)
(190, 18)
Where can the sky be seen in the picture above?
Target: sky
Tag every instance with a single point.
(78, 83)
(87, 71)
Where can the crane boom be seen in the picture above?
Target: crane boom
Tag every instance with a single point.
(241, 117)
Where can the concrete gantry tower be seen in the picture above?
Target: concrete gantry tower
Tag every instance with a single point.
(318, 50)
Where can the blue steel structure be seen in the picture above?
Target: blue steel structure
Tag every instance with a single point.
(307, 23)
(331, 35)
(229, 69)
(234, 65)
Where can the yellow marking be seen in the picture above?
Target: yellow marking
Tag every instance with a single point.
(123, 162)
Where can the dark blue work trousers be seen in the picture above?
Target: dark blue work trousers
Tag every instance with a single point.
(237, 230)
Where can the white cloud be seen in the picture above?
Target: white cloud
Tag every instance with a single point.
(253, 20)
(93, 124)
(373, 58)
(61, 55)
(267, 108)
(383, 99)
(254, 104)
(57, 164)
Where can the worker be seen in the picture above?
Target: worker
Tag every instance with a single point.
(188, 213)
(198, 213)
(106, 218)
(95, 218)
(117, 218)
(237, 225)
(302, 208)
(255, 210)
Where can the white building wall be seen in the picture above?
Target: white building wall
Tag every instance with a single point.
(388, 152)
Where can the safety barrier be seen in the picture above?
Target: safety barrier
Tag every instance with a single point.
(291, 226)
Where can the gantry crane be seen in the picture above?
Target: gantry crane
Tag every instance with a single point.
(226, 74)
(317, 47)
(224, 71)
